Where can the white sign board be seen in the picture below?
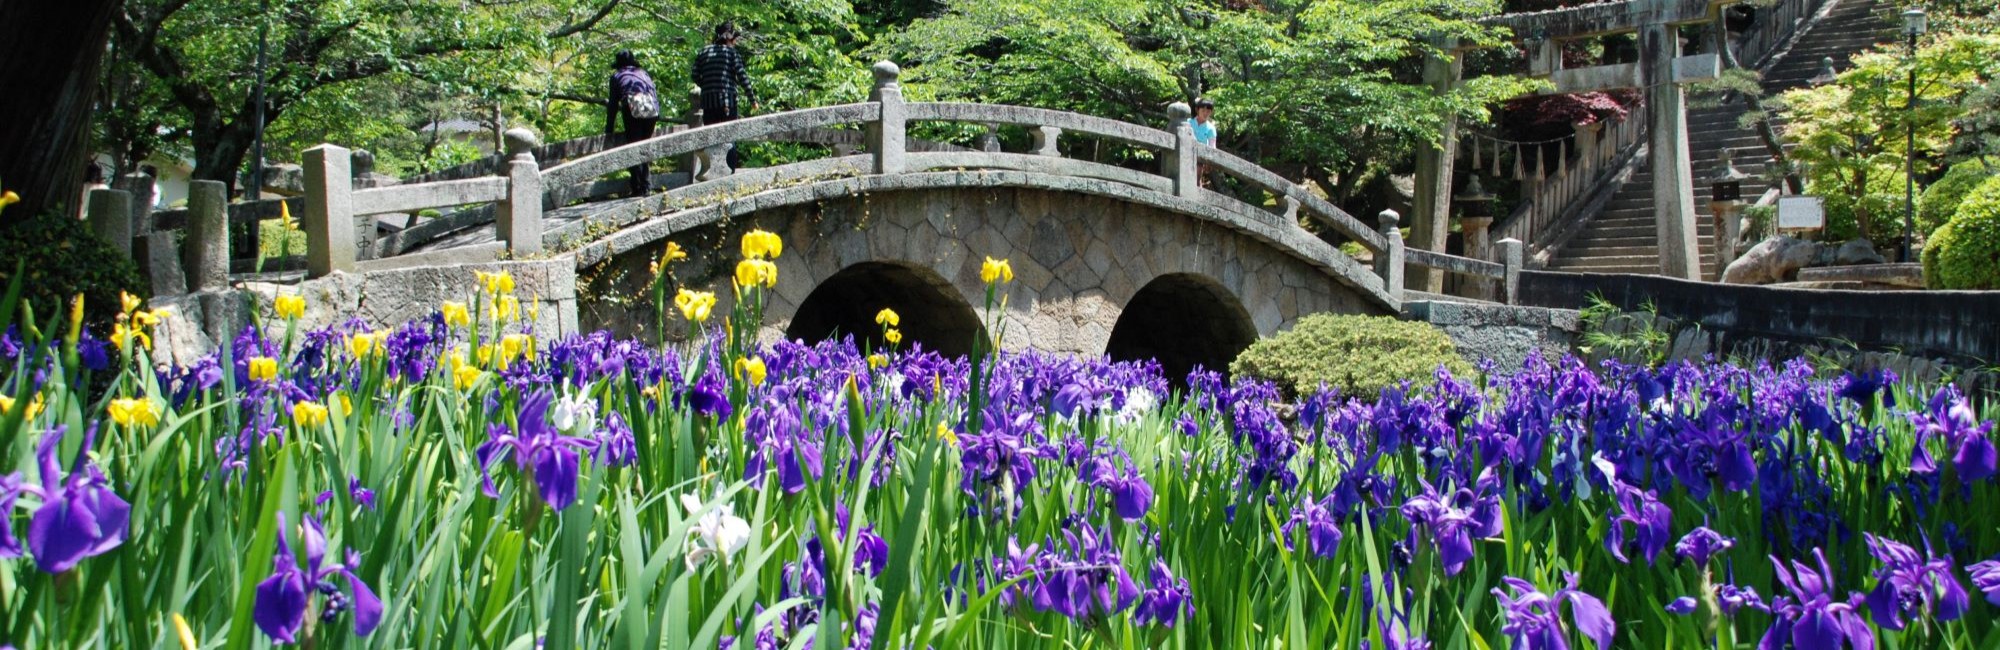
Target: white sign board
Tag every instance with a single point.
(1801, 213)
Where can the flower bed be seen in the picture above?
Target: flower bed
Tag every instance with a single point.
(456, 483)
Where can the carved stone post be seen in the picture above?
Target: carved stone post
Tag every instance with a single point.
(205, 253)
(1673, 178)
(329, 218)
(158, 253)
(886, 136)
(1511, 257)
(691, 163)
(1431, 218)
(1181, 164)
(1389, 260)
(989, 141)
(110, 213)
(1047, 141)
(519, 219)
(1477, 231)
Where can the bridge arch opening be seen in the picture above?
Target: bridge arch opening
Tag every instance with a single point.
(932, 311)
(1182, 320)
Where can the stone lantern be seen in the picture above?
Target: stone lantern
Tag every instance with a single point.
(1725, 200)
(1475, 220)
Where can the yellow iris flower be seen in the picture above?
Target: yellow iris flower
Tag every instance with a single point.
(750, 369)
(455, 314)
(888, 317)
(34, 406)
(505, 308)
(996, 271)
(877, 360)
(365, 343)
(9, 198)
(123, 335)
(290, 307)
(129, 302)
(695, 305)
(946, 434)
(753, 272)
(893, 335)
(263, 369)
(309, 414)
(496, 283)
(134, 412)
(184, 633)
(761, 245)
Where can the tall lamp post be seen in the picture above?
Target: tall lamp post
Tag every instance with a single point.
(1914, 22)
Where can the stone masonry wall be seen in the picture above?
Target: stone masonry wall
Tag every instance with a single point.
(1078, 261)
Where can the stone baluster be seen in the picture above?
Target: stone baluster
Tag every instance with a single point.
(989, 141)
(886, 136)
(205, 253)
(1478, 235)
(1511, 257)
(1389, 260)
(1047, 141)
(519, 219)
(1181, 164)
(692, 162)
(110, 215)
(329, 218)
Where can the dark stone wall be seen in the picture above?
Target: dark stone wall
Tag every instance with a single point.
(1962, 326)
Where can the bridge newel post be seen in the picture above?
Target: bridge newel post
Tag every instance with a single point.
(518, 220)
(1389, 260)
(329, 218)
(886, 135)
(1512, 255)
(1180, 165)
(692, 162)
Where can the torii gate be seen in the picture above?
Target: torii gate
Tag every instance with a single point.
(1660, 72)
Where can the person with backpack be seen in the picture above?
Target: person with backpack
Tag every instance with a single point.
(633, 96)
(719, 71)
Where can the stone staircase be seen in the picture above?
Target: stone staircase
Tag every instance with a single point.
(1623, 237)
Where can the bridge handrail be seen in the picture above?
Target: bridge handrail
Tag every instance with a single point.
(518, 195)
(697, 139)
(1319, 209)
(1103, 127)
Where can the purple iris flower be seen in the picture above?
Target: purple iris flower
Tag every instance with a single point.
(1682, 606)
(1645, 512)
(1089, 582)
(1322, 526)
(1533, 619)
(1453, 524)
(1985, 577)
(871, 552)
(1130, 495)
(551, 455)
(1950, 417)
(282, 599)
(1910, 585)
(1811, 618)
(1701, 544)
(1734, 599)
(80, 516)
(1167, 600)
(362, 496)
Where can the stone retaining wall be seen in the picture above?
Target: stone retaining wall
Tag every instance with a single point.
(1505, 334)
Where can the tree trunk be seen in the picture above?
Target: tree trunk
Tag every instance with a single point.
(1765, 131)
(51, 53)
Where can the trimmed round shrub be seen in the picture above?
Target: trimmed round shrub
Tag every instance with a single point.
(1968, 255)
(1941, 200)
(62, 257)
(1929, 256)
(1357, 355)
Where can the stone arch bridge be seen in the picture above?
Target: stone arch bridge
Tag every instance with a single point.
(1133, 262)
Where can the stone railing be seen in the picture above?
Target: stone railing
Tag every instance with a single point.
(1551, 196)
(518, 196)
(1774, 27)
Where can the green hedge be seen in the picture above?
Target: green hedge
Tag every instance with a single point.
(1967, 249)
(62, 258)
(1358, 355)
(1941, 200)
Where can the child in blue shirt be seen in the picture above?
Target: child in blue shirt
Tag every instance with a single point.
(1203, 121)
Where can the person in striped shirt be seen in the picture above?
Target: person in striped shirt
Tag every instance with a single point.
(719, 71)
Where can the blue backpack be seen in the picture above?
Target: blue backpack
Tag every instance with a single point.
(641, 100)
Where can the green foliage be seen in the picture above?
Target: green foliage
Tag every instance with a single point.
(1851, 133)
(1937, 241)
(1611, 332)
(1330, 89)
(64, 258)
(1358, 355)
(1942, 198)
(1968, 253)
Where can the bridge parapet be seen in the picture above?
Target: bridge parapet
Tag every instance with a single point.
(1267, 205)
